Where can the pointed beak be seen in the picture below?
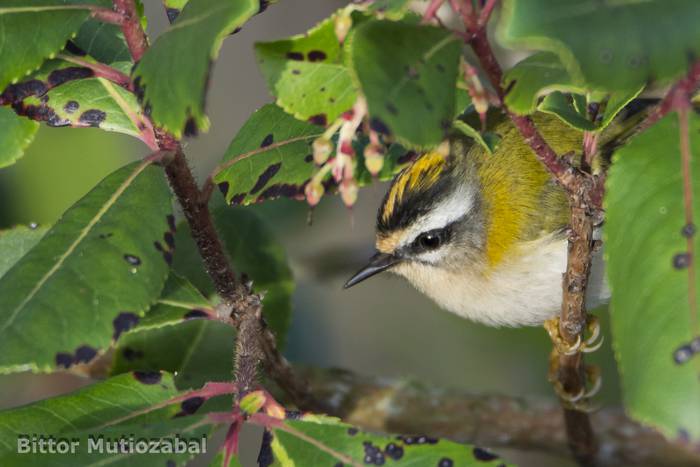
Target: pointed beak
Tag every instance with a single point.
(377, 263)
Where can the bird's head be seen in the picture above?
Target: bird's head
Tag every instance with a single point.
(431, 216)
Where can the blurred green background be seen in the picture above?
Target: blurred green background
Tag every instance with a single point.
(383, 327)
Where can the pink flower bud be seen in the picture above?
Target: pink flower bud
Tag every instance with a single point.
(374, 159)
(348, 192)
(314, 192)
(343, 23)
(323, 148)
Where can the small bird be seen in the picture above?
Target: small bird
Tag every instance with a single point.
(484, 235)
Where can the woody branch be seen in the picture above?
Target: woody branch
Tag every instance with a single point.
(583, 188)
(256, 344)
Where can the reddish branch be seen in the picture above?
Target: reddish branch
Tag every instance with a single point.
(680, 92)
(131, 26)
(585, 193)
(107, 16)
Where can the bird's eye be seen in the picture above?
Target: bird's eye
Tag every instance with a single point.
(429, 240)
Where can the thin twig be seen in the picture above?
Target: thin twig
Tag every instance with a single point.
(432, 9)
(485, 14)
(683, 89)
(101, 70)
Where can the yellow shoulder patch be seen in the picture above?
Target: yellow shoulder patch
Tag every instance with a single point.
(422, 174)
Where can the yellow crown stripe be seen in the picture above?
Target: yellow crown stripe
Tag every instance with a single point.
(420, 175)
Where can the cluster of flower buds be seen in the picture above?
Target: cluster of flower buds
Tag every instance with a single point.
(340, 165)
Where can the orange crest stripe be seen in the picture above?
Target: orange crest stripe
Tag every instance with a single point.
(422, 174)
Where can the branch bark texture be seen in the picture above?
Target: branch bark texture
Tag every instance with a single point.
(585, 194)
(255, 342)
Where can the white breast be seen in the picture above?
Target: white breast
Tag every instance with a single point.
(523, 292)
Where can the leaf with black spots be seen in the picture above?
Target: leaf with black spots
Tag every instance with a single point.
(266, 158)
(607, 45)
(184, 53)
(75, 281)
(16, 134)
(51, 23)
(321, 440)
(307, 73)
(651, 316)
(64, 94)
(192, 350)
(263, 261)
(408, 73)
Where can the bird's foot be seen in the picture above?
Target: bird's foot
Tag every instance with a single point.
(591, 344)
(581, 400)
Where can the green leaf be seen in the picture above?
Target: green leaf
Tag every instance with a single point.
(51, 23)
(132, 406)
(263, 261)
(487, 141)
(103, 42)
(392, 9)
(408, 73)
(122, 397)
(197, 351)
(616, 101)
(62, 94)
(268, 158)
(650, 313)
(90, 276)
(562, 106)
(188, 432)
(179, 301)
(184, 54)
(319, 440)
(16, 134)
(15, 243)
(534, 77)
(607, 45)
(543, 75)
(307, 74)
